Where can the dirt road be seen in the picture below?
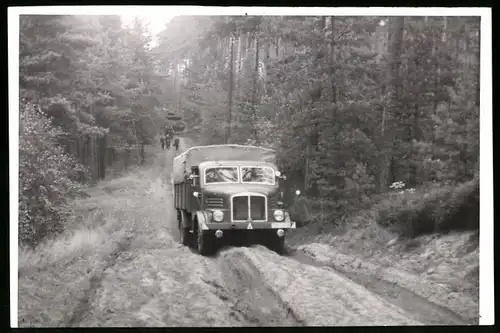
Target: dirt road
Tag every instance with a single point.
(149, 279)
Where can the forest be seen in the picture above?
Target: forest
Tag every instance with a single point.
(354, 106)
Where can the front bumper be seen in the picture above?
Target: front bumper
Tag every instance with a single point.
(247, 225)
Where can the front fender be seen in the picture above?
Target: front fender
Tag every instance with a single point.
(203, 217)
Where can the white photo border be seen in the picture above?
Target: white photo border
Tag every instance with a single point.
(486, 267)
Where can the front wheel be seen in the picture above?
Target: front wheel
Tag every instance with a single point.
(205, 243)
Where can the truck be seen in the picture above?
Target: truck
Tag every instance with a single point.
(229, 192)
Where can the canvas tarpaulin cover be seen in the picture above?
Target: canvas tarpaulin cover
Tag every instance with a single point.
(196, 155)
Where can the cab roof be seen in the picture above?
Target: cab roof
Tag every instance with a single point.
(230, 152)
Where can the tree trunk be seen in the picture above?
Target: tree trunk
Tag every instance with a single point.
(333, 61)
(396, 29)
(478, 70)
(440, 47)
(79, 156)
(412, 170)
(142, 155)
(255, 92)
(306, 167)
(179, 105)
(103, 154)
(174, 68)
(240, 52)
(278, 48)
(230, 93)
(94, 158)
(87, 158)
(267, 50)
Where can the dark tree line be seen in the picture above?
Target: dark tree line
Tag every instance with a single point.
(89, 92)
(351, 104)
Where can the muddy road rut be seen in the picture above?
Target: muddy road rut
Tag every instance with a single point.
(149, 279)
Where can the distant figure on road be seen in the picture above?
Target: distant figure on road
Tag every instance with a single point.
(162, 141)
(176, 143)
(169, 131)
(167, 142)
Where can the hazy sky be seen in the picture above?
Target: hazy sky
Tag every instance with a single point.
(156, 22)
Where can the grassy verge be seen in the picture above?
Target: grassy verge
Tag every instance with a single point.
(425, 241)
(55, 277)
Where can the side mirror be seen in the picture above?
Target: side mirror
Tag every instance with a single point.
(193, 179)
(279, 175)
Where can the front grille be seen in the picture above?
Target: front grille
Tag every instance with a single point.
(240, 208)
(257, 208)
(214, 202)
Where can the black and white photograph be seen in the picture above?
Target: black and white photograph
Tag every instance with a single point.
(188, 166)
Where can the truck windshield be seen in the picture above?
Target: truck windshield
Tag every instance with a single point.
(261, 175)
(221, 175)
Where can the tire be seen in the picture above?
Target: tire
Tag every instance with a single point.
(184, 236)
(279, 247)
(205, 243)
(276, 244)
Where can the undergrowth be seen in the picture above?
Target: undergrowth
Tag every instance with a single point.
(407, 213)
(95, 222)
(440, 210)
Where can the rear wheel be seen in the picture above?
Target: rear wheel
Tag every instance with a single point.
(184, 234)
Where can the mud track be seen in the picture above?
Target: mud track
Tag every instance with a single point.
(149, 279)
(416, 306)
(84, 304)
(256, 301)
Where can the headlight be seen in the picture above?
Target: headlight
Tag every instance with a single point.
(218, 215)
(279, 215)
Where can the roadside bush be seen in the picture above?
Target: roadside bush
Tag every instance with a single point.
(46, 178)
(333, 212)
(305, 211)
(441, 210)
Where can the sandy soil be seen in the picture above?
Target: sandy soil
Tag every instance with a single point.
(141, 276)
(434, 277)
